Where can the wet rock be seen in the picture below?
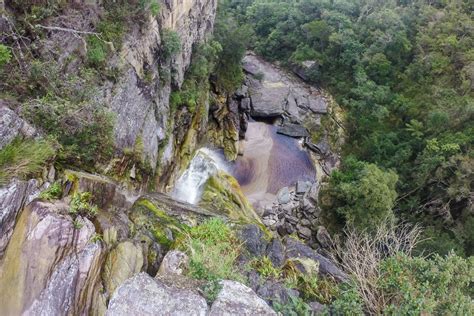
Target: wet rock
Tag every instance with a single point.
(13, 198)
(242, 92)
(12, 126)
(143, 295)
(293, 130)
(123, 261)
(302, 187)
(275, 93)
(245, 105)
(304, 68)
(254, 240)
(318, 105)
(283, 195)
(42, 241)
(296, 249)
(276, 252)
(238, 299)
(174, 262)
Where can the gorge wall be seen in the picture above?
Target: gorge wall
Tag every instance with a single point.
(97, 239)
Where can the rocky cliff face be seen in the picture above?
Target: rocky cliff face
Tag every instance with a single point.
(142, 109)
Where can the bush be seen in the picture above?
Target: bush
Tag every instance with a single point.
(438, 286)
(294, 307)
(5, 55)
(170, 43)
(84, 130)
(24, 158)
(54, 192)
(96, 51)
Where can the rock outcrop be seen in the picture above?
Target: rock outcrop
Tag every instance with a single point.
(143, 295)
(12, 125)
(237, 299)
(49, 263)
(275, 93)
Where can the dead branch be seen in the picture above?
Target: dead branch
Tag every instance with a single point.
(362, 253)
(63, 29)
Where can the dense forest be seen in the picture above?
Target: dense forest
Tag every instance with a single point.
(403, 71)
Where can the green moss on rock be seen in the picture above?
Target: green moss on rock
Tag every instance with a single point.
(223, 195)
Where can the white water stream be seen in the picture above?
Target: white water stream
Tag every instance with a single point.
(205, 163)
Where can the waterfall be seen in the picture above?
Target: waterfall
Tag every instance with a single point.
(205, 163)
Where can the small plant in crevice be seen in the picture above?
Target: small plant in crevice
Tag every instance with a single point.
(77, 224)
(96, 238)
(265, 268)
(210, 290)
(81, 205)
(53, 192)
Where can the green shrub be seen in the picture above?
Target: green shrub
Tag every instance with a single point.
(362, 193)
(170, 43)
(294, 307)
(210, 290)
(265, 268)
(96, 51)
(81, 205)
(151, 6)
(23, 158)
(54, 192)
(84, 130)
(437, 286)
(213, 250)
(348, 302)
(5, 55)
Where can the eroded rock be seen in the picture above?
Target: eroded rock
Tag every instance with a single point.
(48, 248)
(143, 295)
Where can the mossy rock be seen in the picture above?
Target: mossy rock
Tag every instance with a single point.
(222, 195)
(165, 218)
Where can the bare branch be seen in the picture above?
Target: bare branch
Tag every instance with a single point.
(362, 253)
(63, 29)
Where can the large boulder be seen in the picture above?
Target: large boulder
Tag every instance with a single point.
(143, 295)
(237, 299)
(123, 262)
(70, 288)
(298, 250)
(222, 195)
(49, 263)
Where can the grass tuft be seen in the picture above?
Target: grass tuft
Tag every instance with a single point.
(23, 158)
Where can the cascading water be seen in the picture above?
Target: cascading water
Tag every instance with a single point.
(205, 163)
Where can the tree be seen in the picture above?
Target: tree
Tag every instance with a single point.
(362, 193)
